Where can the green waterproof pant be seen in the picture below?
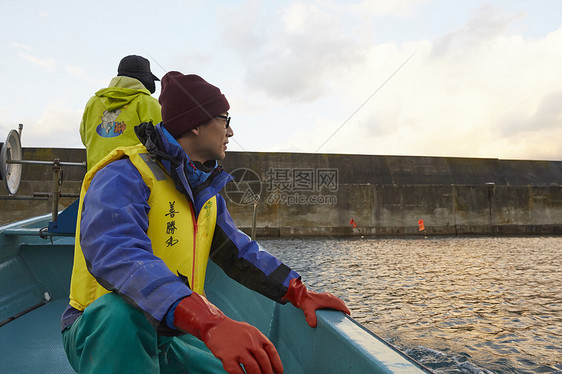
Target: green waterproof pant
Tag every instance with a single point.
(111, 336)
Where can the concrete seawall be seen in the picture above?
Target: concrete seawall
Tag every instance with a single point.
(320, 194)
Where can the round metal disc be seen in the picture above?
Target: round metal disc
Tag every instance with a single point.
(11, 173)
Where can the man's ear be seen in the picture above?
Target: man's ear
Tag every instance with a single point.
(195, 130)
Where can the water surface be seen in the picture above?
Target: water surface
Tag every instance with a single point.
(456, 304)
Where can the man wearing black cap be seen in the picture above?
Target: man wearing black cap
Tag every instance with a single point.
(112, 113)
(151, 218)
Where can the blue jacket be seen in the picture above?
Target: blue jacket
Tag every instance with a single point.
(127, 243)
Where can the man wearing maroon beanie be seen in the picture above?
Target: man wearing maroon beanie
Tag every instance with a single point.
(188, 101)
(151, 218)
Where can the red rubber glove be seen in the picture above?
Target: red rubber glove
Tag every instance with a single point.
(232, 342)
(310, 301)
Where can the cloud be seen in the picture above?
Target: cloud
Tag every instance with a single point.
(24, 52)
(75, 71)
(294, 56)
(486, 24)
(480, 90)
(84, 76)
(6, 122)
(548, 116)
(380, 8)
(246, 27)
(58, 123)
(20, 46)
(484, 94)
(46, 63)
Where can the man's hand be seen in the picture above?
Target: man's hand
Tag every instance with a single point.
(236, 343)
(310, 301)
(232, 342)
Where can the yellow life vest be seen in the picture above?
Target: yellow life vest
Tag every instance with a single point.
(177, 238)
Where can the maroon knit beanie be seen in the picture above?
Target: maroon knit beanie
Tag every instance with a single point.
(188, 101)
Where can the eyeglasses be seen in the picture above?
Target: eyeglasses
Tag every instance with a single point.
(227, 119)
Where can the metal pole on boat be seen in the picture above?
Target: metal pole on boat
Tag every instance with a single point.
(38, 162)
(254, 219)
(55, 189)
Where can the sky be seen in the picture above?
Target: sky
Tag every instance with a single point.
(447, 78)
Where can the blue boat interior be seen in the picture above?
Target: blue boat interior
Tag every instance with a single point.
(34, 283)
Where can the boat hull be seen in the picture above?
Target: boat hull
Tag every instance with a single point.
(34, 283)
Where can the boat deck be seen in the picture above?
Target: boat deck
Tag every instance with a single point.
(32, 343)
(30, 269)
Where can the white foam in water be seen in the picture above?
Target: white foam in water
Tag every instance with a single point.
(440, 362)
(468, 367)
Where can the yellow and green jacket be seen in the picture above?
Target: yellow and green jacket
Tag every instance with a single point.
(147, 235)
(111, 115)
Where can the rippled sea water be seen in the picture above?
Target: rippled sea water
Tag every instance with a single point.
(471, 305)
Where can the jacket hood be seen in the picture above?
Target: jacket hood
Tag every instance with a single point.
(178, 165)
(121, 91)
